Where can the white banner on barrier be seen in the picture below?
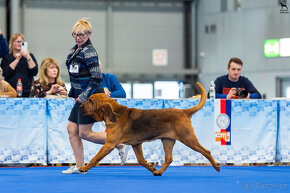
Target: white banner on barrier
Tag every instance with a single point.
(22, 130)
(283, 145)
(252, 135)
(37, 131)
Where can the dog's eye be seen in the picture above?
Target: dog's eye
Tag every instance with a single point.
(90, 100)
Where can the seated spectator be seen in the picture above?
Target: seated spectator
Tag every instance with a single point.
(49, 82)
(111, 85)
(6, 90)
(228, 86)
(19, 64)
(3, 46)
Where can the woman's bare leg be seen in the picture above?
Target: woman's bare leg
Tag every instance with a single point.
(76, 143)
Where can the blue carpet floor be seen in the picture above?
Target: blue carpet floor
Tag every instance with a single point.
(136, 179)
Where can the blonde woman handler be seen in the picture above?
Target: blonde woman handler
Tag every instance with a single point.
(85, 76)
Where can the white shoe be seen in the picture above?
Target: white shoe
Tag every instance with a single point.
(123, 154)
(73, 170)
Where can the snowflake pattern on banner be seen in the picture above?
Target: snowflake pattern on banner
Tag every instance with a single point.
(283, 145)
(252, 120)
(23, 130)
(254, 132)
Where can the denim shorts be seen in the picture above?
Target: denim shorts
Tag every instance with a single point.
(77, 116)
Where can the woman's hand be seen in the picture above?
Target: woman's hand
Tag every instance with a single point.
(78, 100)
(30, 62)
(107, 92)
(18, 56)
(26, 55)
(61, 90)
(13, 64)
(53, 89)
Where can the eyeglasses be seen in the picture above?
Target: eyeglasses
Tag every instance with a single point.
(18, 41)
(80, 35)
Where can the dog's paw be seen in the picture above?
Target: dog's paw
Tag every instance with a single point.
(156, 173)
(151, 167)
(83, 169)
(217, 167)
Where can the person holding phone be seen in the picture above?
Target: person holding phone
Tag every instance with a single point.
(19, 63)
(48, 83)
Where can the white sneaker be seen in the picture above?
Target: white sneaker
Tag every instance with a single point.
(73, 170)
(123, 154)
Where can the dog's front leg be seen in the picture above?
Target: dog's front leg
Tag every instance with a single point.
(105, 150)
(140, 157)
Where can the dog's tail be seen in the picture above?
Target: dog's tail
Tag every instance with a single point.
(202, 101)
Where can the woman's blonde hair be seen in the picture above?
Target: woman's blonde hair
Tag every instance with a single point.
(82, 26)
(13, 38)
(43, 78)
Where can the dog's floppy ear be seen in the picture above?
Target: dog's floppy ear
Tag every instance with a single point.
(109, 112)
(98, 115)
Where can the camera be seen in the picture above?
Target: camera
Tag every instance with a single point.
(242, 93)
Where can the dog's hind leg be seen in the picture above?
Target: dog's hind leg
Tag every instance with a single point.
(105, 150)
(191, 141)
(140, 157)
(168, 147)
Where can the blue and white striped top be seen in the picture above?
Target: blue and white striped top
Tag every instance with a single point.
(84, 71)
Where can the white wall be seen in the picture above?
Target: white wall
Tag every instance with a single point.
(124, 34)
(48, 27)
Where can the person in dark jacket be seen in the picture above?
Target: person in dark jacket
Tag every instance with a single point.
(3, 46)
(19, 64)
(230, 86)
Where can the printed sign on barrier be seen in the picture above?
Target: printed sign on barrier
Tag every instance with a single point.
(222, 126)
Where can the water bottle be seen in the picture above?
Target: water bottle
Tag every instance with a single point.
(212, 90)
(19, 88)
(181, 89)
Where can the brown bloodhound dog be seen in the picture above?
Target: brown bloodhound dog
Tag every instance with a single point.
(133, 126)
